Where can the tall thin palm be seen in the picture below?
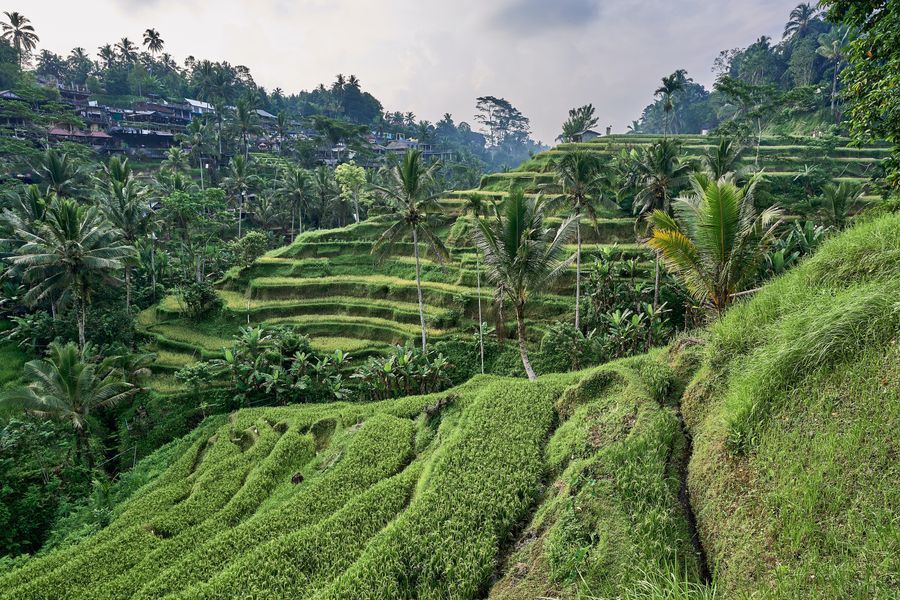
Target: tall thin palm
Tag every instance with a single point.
(239, 182)
(522, 255)
(127, 50)
(716, 239)
(580, 180)
(410, 189)
(658, 172)
(475, 206)
(297, 189)
(20, 33)
(68, 254)
(832, 47)
(671, 85)
(800, 20)
(69, 386)
(153, 41)
(246, 123)
(124, 201)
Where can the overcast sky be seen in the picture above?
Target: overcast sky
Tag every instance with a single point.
(437, 56)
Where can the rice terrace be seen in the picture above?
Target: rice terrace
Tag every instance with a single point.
(373, 338)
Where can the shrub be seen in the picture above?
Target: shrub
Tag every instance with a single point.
(200, 299)
(250, 247)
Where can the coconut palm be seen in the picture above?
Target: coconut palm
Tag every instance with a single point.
(18, 31)
(800, 20)
(671, 85)
(722, 159)
(716, 239)
(282, 124)
(837, 201)
(658, 172)
(69, 386)
(124, 201)
(580, 180)
(297, 188)
(239, 181)
(68, 254)
(410, 190)
(475, 205)
(153, 41)
(245, 121)
(107, 54)
(522, 255)
(832, 47)
(58, 173)
(127, 50)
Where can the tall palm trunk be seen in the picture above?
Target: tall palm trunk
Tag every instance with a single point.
(300, 220)
(419, 286)
(480, 321)
(356, 206)
(523, 347)
(578, 272)
(128, 289)
(240, 213)
(82, 318)
(293, 210)
(656, 283)
(834, 81)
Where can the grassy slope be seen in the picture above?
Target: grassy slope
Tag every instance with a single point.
(794, 415)
(565, 488)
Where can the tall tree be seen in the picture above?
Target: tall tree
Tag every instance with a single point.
(800, 20)
(832, 47)
(522, 256)
(127, 50)
(70, 253)
(580, 180)
(17, 30)
(475, 206)
(153, 41)
(658, 172)
(127, 209)
(671, 85)
(352, 180)
(410, 188)
(580, 119)
(297, 188)
(69, 385)
(716, 239)
(239, 182)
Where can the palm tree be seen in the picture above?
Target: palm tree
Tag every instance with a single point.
(282, 124)
(59, 174)
(716, 240)
(581, 183)
(239, 182)
(723, 158)
(125, 205)
(153, 42)
(671, 85)
(68, 386)
(523, 256)
(107, 55)
(297, 189)
(410, 189)
(837, 201)
(19, 32)
(832, 46)
(475, 206)
(658, 172)
(127, 50)
(800, 20)
(73, 249)
(245, 121)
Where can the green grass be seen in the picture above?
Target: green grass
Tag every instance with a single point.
(572, 486)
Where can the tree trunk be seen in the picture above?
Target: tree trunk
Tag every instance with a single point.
(501, 326)
(356, 206)
(758, 138)
(153, 266)
(82, 317)
(293, 210)
(656, 283)
(419, 286)
(578, 274)
(128, 289)
(480, 321)
(202, 186)
(240, 213)
(300, 220)
(523, 348)
(834, 88)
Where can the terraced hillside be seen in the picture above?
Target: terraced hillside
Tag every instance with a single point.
(328, 285)
(577, 485)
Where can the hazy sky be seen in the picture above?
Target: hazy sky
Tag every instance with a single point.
(437, 56)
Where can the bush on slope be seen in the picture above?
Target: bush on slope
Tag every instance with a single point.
(794, 416)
